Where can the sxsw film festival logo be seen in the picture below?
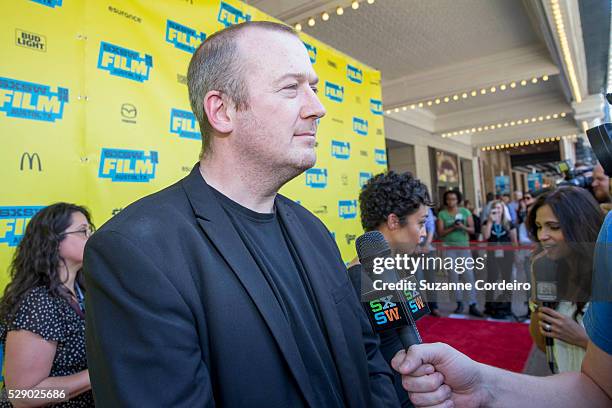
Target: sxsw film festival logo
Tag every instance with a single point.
(376, 106)
(29, 100)
(380, 156)
(127, 165)
(364, 177)
(312, 52)
(183, 37)
(230, 15)
(354, 74)
(30, 40)
(360, 126)
(340, 150)
(13, 221)
(124, 63)
(49, 3)
(334, 92)
(316, 178)
(347, 209)
(30, 159)
(184, 124)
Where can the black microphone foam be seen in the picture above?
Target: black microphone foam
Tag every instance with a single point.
(386, 309)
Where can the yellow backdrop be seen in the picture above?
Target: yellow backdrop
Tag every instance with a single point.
(94, 110)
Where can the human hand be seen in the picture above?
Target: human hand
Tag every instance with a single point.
(559, 326)
(438, 375)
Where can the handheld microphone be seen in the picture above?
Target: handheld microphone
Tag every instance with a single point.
(388, 309)
(545, 275)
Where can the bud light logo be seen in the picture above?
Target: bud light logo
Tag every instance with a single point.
(230, 15)
(334, 92)
(354, 74)
(347, 209)
(312, 52)
(376, 106)
(183, 37)
(125, 63)
(363, 178)
(380, 156)
(49, 3)
(184, 124)
(29, 100)
(127, 165)
(316, 178)
(13, 221)
(360, 126)
(340, 150)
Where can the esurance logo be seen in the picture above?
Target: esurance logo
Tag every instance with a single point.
(334, 92)
(363, 178)
(360, 126)
(125, 63)
(312, 52)
(380, 156)
(347, 209)
(316, 178)
(13, 221)
(183, 37)
(29, 100)
(376, 106)
(184, 124)
(354, 74)
(340, 150)
(230, 15)
(49, 3)
(127, 165)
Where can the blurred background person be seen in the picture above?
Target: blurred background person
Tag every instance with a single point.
(42, 326)
(454, 225)
(498, 230)
(522, 261)
(565, 223)
(396, 205)
(602, 188)
(427, 248)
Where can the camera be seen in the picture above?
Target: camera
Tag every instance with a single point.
(581, 177)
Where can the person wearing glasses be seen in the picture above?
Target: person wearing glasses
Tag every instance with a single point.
(42, 313)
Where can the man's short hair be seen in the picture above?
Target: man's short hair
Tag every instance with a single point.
(217, 66)
(391, 193)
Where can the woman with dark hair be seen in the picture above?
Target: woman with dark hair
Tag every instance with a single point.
(455, 223)
(42, 326)
(396, 205)
(565, 224)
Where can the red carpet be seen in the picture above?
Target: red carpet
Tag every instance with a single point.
(500, 344)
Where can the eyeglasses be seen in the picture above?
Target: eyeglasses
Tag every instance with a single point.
(86, 232)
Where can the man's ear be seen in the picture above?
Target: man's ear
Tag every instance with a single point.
(393, 222)
(220, 111)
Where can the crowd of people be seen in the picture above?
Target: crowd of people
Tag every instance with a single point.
(220, 291)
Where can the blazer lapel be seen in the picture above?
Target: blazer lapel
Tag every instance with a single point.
(315, 269)
(219, 229)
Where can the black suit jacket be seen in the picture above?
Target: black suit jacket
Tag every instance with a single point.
(178, 314)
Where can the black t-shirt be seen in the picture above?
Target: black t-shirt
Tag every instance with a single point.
(499, 233)
(267, 241)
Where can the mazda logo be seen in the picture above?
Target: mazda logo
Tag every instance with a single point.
(129, 111)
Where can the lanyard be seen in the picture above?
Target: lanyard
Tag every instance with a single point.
(80, 297)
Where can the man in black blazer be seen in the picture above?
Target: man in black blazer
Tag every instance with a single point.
(217, 291)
